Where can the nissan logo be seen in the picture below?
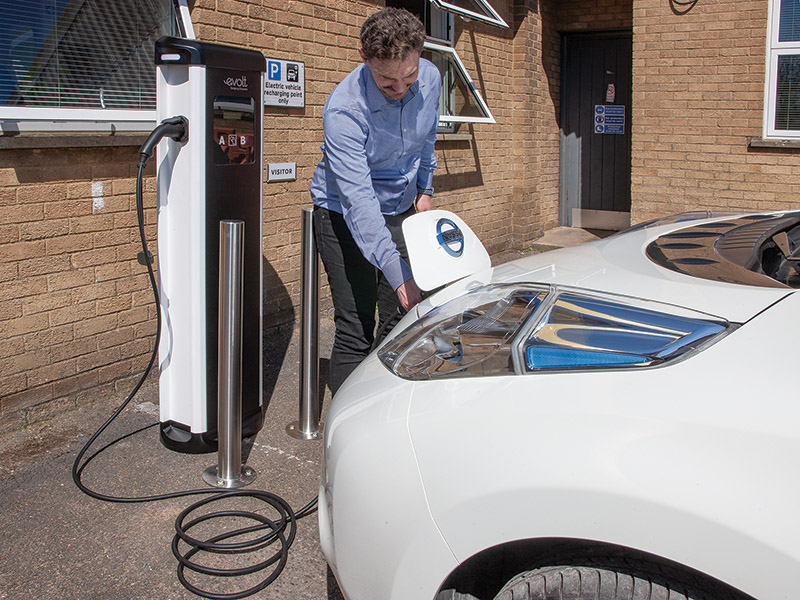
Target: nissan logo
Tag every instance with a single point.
(449, 237)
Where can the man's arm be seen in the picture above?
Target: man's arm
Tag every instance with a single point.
(345, 140)
(427, 164)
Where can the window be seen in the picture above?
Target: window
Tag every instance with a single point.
(83, 65)
(460, 101)
(782, 89)
(480, 10)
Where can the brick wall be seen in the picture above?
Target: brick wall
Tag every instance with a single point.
(534, 133)
(475, 177)
(76, 314)
(595, 15)
(698, 86)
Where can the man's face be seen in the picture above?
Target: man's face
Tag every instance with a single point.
(393, 76)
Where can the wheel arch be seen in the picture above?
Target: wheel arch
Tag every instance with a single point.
(482, 576)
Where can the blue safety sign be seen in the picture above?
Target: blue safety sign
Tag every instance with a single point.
(609, 118)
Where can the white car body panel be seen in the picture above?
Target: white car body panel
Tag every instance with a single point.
(437, 471)
(377, 489)
(627, 457)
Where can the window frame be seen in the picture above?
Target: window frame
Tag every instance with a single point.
(491, 16)
(464, 74)
(776, 49)
(17, 119)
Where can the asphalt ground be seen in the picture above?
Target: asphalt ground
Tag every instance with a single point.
(58, 543)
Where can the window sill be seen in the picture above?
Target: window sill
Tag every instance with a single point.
(51, 140)
(454, 137)
(759, 142)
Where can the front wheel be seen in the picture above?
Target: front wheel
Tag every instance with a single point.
(590, 583)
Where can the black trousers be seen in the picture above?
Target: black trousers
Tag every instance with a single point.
(357, 288)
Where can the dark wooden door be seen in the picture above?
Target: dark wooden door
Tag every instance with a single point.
(595, 155)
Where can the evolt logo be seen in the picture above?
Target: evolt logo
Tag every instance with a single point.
(237, 83)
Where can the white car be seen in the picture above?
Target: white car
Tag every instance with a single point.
(618, 419)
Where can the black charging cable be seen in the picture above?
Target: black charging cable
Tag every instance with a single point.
(176, 128)
(280, 530)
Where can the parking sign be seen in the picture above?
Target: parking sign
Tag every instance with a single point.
(285, 84)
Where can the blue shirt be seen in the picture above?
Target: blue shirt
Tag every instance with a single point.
(376, 156)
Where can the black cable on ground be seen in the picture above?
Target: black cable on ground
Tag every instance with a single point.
(280, 530)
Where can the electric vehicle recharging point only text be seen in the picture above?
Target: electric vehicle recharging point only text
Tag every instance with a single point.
(215, 175)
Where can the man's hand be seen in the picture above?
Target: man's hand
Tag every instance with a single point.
(423, 202)
(409, 295)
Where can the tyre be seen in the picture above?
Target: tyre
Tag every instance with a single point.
(591, 583)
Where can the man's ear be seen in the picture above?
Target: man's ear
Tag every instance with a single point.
(363, 56)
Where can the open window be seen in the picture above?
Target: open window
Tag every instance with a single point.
(460, 101)
(479, 10)
(83, 65)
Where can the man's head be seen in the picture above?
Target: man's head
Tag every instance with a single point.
(391, 42)
(391, 33)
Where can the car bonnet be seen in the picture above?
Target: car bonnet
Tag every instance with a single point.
(660, 261)
(620, 265)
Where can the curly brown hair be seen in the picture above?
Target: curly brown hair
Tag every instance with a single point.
(392, 33)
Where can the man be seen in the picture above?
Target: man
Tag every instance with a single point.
(377, 169)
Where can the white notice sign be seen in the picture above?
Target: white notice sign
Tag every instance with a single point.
(282, 172)
(285, 83)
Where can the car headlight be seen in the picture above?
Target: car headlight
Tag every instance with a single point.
(521, 328)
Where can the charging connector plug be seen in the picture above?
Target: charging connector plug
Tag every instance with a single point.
(176, 128)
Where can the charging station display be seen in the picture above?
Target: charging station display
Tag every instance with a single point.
(216, 175)
(234, 127)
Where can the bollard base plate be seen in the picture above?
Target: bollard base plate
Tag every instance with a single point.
(293, 429)
(211, 477)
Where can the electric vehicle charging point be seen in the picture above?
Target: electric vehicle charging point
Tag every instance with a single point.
(217, 174)
(209, 333)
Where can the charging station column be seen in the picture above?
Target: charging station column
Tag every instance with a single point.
(216, 175)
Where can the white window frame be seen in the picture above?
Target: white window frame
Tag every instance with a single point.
(490, 15)
(776, 49)
(462, 72)
(15, 119)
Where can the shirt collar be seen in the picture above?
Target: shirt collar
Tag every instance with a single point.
(375, 98)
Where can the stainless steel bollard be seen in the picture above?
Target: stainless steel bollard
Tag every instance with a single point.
(307, 428)
(229, 471)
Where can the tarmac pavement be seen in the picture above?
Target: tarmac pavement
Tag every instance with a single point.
(59, 543)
